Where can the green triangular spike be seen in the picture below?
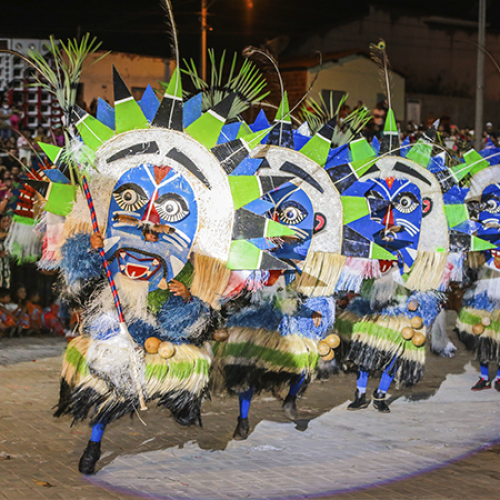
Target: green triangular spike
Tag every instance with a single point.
(93, 132)
(475, 161)
(361, 150)
(206, 129)
(420, 153)
(244, 189)
(390, 127)
(283, 113)
(51, 151)
(378, 252)
(479, 244)
(244, 130)
(360, 167)
(317, 149)
(60, 198)
(128, 114)
(456, 214)
(174, 88)
(243, 255)
(275, 230)
(354, 207)
(253, 139)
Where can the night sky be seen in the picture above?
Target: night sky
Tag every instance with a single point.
(138, 26)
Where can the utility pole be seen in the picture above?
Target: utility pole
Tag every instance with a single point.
(204, 40)
(480, 75)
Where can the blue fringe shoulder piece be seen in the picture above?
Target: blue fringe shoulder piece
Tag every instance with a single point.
(302, 323)
(180, 321)
(78, 261)
(360, 306)
(263, 316)
(479, 301)
(429, 306)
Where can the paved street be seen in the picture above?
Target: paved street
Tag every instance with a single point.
(437, 443)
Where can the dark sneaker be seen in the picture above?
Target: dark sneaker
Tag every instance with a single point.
(242, 429)
(497, 385)
(359, 403)
(482, 385)
(89, 458)
(290, 407)
(379, 402)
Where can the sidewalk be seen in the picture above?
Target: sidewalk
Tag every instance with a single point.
(435, 444)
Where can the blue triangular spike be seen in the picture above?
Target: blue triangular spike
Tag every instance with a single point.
(149, 103)
(338, 156)
(405, 147)
(191, 110)
(263, 243)
(247, 167)
(359, 188)
(468, 227)
(436, 164)
(55, 175)
(229, 132)
(260, 123)
(259, 207)
(455, 196)
(299, 140)
(105, 113)
(376, 145)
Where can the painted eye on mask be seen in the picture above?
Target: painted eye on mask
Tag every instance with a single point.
(492, 205)
(405, 202)
(130, 197)
(172, 207)
(291, 213)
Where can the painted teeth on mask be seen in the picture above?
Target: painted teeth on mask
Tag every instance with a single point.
(156, 262)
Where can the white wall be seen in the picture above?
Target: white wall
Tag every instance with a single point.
(359, 77)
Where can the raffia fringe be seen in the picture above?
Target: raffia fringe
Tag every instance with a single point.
(210, 279)
(427, 271)
(72, 227)
(475, 259)
(320, 274)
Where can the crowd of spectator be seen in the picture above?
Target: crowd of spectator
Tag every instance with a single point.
(34, 309)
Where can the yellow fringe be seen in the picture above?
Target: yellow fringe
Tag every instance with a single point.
(210, 279)
(320, 274)
(427, 271)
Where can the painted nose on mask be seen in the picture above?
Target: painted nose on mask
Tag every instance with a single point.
(388, 220)
(151, 214)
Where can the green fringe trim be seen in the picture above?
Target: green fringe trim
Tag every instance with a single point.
(181, 370)
(385, 334)
(76, 359)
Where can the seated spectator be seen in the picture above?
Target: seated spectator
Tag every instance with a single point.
(12, 321)
(58, 135)
(20, 298)
(51, 320)
(35, 311)
(5, 221)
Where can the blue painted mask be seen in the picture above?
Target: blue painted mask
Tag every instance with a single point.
(397, 205)
(293, 208)
(487, 213)
(152, 221)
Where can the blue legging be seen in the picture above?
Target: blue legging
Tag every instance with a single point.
(97, 432)
(485, 372)
(246, 397)
(385, 381)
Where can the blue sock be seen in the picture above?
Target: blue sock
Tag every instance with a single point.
(385, 381)
(296, 384)
(484, 371)
(245, 400)
(97, 432)
(387, 378)
(362, 381)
